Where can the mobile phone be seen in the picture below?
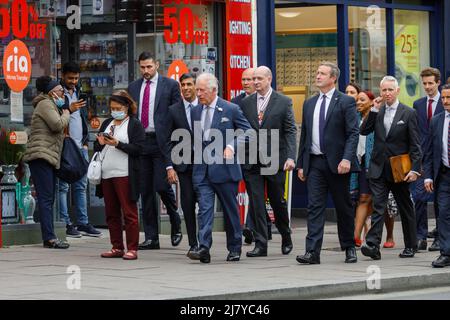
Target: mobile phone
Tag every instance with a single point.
(107, 135)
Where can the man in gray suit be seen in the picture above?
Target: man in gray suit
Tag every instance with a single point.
(272, 112)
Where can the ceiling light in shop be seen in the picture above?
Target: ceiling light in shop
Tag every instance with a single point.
(289, 14)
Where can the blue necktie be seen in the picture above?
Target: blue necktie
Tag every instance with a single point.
(322, 123)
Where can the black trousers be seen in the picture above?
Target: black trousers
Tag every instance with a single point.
(154, 179)
(254, 183)
(443, 195)
(188, 200)
(380, 192)
(320, 181)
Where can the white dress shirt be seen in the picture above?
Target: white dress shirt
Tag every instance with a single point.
(315, 147)
(445, 140)
(435, 102)
(153, 87)
(188, 110)
(263, 101)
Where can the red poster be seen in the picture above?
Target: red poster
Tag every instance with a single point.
(239, 43)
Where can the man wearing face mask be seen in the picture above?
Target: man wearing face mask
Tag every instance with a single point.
(78, 131)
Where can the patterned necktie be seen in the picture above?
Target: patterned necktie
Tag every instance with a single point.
(188, 114)
(430, 110)
(260, 111)
(322, 123)
(207, 124)
(146, 105)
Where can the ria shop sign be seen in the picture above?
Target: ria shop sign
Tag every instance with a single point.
(17, 65)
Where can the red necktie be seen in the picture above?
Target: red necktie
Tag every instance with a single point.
(146, 105)
(430, 110)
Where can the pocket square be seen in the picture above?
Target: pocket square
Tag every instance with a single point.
(400, 122)
(224, 119)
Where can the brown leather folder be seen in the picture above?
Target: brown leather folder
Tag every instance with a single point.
(401, 166)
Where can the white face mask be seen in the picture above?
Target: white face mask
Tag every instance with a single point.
(118, 115)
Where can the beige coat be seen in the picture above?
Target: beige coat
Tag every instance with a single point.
(46, 132)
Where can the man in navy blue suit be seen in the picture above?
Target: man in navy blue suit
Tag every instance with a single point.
(426, 108)
(327, 156)
(154, 94)
(437, 174)
(216, 170)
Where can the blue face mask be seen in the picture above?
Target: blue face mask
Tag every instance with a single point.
(59, 102)
(118, 115)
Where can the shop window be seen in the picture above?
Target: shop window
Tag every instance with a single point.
(305, 37)
(368, 60)
(412, 52)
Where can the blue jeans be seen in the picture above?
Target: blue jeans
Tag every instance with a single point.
(79, 194)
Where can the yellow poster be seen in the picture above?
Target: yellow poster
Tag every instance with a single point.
(407, 59)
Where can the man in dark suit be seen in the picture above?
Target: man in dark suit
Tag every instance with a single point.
(248, 88)
(154, 94)
(396, 133)
(180, 118)
(437, 174)
(426, 108)
(216, 170)
(269, 113)
(327, 155)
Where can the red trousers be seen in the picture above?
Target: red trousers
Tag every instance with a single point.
(117, 200)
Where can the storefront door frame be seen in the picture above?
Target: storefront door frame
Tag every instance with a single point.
(437, 14)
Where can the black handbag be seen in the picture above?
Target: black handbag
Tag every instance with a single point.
(73, 165)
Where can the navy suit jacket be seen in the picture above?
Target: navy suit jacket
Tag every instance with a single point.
(178, 120)
(421, 108)
(226, 116)
(433, 152)
(341, 132)
(167, 93)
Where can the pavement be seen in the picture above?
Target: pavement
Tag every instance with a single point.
(32, 272)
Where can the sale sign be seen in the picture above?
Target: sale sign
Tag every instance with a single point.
(17, 65)
(239, 43)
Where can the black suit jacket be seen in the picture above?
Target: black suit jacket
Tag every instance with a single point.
(403, 137)
(136, 139)
(341, 132)
(177, 120)
(238, 99)
(433, 151)
(421, 108)
(167, 93)
(278, 115)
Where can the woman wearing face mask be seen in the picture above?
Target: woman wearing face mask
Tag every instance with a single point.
(120, 141)
(43, 152)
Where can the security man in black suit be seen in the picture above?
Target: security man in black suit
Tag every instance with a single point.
(154, 94)
(248, 88)
(396, 133)
(327, 156)
(269, 113)
(180, 118)
(437, 174)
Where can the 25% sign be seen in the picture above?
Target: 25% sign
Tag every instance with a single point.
(16, 19)
(182, 25)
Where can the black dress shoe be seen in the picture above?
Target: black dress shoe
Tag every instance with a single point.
(176, 238)
(350, 255)
(371, 251)
(56, 244)
(432, 234)
(257, 252)
(248, 236)
(422, 245)
(442, 261)
(286, 244)
(192, 248)
(201, 254)
(309, 257)
(233, 256)
(435, 246)
(149, 245)
(407, 253)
